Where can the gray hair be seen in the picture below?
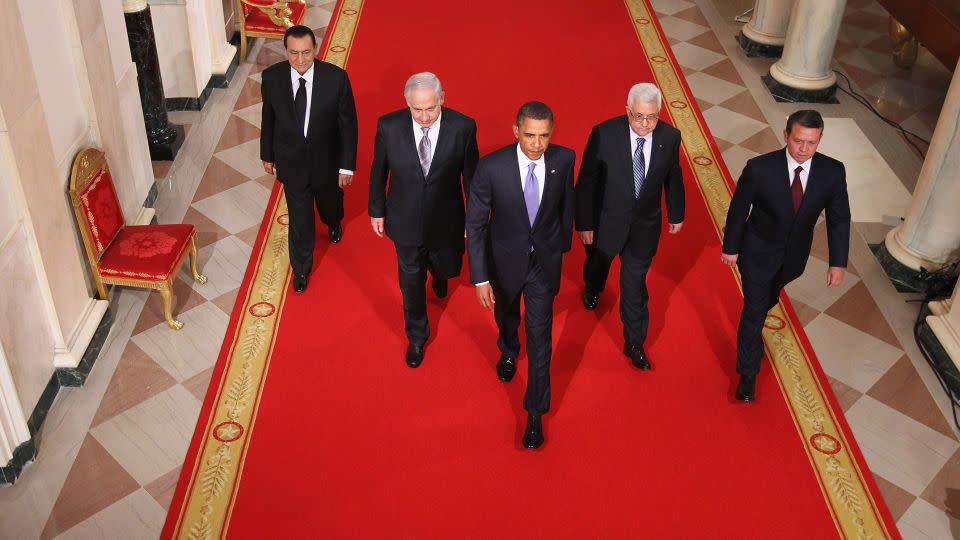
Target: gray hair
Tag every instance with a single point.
(424, 79)
(644, 93)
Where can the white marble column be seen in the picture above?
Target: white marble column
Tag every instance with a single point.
(768, 26)
(929, 236)
(13, 423)
(804, 65)
(221, 51)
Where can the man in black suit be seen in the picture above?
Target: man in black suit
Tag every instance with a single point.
(519, 225)
(630, 162)
(308, 138)
(769, 229)
(429, 153)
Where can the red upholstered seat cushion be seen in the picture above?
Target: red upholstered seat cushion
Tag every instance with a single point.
(101, 210)
(258, 21)
(146, 252)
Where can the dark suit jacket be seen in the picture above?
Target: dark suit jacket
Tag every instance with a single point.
(331, 142)
(771, 236)
(605, 189)
(422, 211)
(499, 234)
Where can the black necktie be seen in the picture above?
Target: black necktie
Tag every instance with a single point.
(300, 103)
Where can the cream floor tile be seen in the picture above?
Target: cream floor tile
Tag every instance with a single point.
(736, 158)
(897, 447)
(252, 113)
(223, 262)
(917, 126)
(259, 78)
(680, 29)
(870, 61)
(237, 208)
(713, 90)
(876, 193)
(856, 359)
(184, 353)
(923, 521)
(670, 6)
(244, 157)
(151, 438)
(731, 126)
(136, 516)
(811, 288)
(694, 57)
(317, 17)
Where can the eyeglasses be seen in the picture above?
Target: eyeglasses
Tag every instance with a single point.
(643, 118)
(300, 54)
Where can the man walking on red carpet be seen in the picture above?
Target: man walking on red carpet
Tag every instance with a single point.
(519, 225)
(429, 153)
(618, 206)
(770, 225)
(308, 138)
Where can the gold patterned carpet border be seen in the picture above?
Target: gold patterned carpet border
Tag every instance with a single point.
(838, 472)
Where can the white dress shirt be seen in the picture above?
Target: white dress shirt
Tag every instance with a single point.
(792, 166)
(295, 77)
(538, 171)
(634, 141)
(432, 133)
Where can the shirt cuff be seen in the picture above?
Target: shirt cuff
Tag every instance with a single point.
(344, 171)
(479, 284)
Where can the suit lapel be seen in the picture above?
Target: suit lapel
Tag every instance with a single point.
(549, 183)
(627, 140)
(288, 93)
(410, 143)
(782, 181)
(314, 96)
(443, 142)
(516, 187)
(813, 185)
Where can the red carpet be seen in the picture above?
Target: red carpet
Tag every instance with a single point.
(351, 443)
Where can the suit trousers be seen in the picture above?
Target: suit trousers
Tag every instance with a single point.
(324, 194)
(759, 297)
(538, 323)
(413, 263)
(634, 266)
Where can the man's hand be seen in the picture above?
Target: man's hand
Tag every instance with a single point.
(729, 260)
(485, 296)
(586, 237)
(675, 227)
(269, 168)
(345, 179)
(834, 276)
(377, 224)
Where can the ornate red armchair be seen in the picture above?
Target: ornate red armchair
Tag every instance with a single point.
(267, 18)
(144, 256)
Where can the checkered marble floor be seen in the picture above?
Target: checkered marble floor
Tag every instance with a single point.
(111, 452)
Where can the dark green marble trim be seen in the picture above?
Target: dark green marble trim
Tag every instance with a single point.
(938, 357)
(61, 377)
(787, 94)
(904, 278)
(223, 81)
(754, 49)
(190, 103)
(151, 196)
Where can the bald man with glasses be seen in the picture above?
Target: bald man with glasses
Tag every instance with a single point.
(629, 164)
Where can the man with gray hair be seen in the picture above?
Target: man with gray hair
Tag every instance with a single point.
(423, 159)
(630, 162)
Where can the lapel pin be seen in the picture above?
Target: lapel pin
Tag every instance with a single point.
(552, 171)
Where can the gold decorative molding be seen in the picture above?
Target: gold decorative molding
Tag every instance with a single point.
(841, 480)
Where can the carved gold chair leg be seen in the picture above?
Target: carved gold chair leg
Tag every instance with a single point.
(243, 47)
(167, 296)
(197, 276)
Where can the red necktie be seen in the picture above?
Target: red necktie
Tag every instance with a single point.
(796, 189)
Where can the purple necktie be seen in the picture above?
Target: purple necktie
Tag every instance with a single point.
(531, 194)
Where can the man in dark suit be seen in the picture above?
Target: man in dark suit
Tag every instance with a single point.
(769, 229)
(519, 225)
(429, 153)
(629, 164)
(308, 138)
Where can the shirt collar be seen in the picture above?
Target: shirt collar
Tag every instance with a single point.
(436, 123)
(295, 75)
(525, 161)
(633, 135)
(792, 164)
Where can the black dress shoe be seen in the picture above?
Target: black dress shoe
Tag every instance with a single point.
(589, 299)
(746, 388)
(414, 355)
(636, 356)
(300, 283)
(439, 287)
(336, 233)
(533, 433)
(506, 367)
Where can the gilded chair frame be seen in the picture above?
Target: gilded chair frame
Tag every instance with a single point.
(279, 13)
(87, 166)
